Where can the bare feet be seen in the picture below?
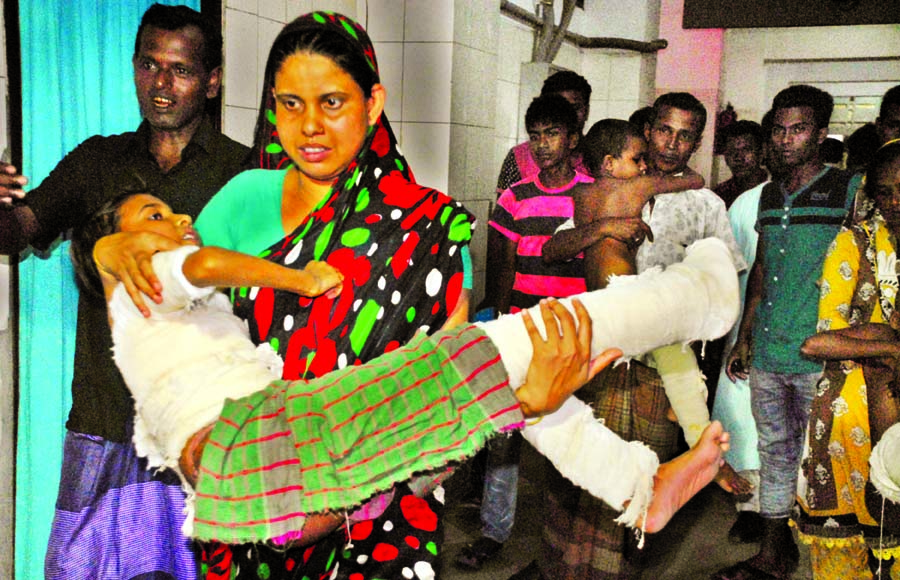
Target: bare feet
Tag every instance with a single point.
(729, 480)
(678, 480)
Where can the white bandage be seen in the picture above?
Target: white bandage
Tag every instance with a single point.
(685, 389)
(697, 299)
(884, 464)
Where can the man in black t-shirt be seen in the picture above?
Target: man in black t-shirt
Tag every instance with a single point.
(178, 155)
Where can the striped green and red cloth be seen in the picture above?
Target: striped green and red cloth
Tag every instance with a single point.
(329, 444)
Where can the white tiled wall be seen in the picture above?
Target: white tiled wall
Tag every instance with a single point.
(249, 27)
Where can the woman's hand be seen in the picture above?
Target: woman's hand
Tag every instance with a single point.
(325, 279)
(126, 257)
(561, 364)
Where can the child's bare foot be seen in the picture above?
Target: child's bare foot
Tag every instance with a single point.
(729, 480)
(678, 480)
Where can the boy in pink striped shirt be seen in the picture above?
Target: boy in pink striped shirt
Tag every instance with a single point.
(529, 212)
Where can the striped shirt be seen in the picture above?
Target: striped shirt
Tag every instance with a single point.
(528, 214)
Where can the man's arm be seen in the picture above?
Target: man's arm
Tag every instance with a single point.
(18, 224)
(738, 365)
(568, 243)
(611, 208)
(18, 228)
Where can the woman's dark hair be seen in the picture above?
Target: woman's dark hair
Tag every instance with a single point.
(103, 222)
(551, 109)
(607, 137)
(352, 52)
(887, 153)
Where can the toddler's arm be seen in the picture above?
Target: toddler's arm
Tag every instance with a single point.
(611, 208)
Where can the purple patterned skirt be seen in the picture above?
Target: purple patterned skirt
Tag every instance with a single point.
(115, 519)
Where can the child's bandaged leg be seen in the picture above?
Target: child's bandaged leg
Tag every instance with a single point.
(694, 300)
(685, 389)
(573, 440)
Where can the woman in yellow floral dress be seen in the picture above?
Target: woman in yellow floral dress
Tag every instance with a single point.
(856, 399)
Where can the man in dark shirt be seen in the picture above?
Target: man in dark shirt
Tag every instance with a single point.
(177, 155)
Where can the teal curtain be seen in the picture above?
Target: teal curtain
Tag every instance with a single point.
(76, 82)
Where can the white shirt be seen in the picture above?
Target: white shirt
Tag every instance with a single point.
(184, 361)
(680, 219)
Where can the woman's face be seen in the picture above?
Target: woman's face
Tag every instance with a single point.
(322, 115)
(885, 191)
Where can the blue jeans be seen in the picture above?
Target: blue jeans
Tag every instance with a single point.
(781, 404)
(501, 486)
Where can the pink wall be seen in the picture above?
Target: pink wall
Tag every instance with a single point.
(692, 63)
(693, 58)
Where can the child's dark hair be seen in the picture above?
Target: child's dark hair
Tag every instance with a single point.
(565, 81)
(818, 100)
(607, 137)
(551, 109)
(103, 222)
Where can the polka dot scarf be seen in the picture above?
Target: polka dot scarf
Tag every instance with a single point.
(397, 243)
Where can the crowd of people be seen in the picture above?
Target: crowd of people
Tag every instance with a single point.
(303, 428)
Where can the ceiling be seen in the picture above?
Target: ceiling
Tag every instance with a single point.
(783, 13)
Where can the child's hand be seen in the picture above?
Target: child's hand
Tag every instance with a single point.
(699, 183)
(631, 231)
(325, 279)
(127, 257)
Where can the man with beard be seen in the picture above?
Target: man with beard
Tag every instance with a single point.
(800, 213)
(177, 154)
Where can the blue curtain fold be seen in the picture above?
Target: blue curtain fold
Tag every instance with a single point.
(76, 82)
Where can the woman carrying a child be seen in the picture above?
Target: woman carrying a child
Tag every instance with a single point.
(337, 190)
(342, 193)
